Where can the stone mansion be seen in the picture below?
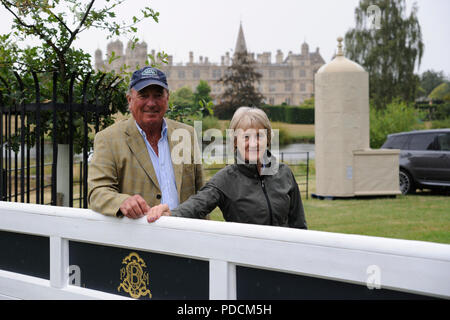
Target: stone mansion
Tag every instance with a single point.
(289, 79)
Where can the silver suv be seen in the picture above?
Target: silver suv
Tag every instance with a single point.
(424, 158)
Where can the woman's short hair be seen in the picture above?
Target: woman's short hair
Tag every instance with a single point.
(251, 117)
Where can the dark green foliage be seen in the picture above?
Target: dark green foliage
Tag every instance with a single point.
(290, 114)
(202, 92)
(396, 117)
(443, 111)
(183, 97)
(437, 110)
(202, 98)
(187, 106)
(282, 113)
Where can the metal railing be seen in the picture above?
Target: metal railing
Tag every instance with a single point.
(9, 196)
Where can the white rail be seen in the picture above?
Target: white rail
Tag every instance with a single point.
(408, 266)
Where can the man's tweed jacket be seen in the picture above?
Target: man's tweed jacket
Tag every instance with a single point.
(121, 167)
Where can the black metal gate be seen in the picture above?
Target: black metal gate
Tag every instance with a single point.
(21, 127)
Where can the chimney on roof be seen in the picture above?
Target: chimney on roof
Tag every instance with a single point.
(279, 56)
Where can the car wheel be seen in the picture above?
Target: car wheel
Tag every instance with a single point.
(406, 183)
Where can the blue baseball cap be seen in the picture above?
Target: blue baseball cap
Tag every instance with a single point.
(146, 76)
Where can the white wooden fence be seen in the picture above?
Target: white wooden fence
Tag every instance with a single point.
(407, 266)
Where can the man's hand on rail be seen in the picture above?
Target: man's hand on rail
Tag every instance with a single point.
(134, 207)
(157, 211)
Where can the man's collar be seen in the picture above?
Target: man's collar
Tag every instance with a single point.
(163, 129)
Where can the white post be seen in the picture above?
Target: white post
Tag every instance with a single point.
(62, 173)
(222, 280)
(59, 262)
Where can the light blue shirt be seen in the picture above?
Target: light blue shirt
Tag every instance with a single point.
(163, 167)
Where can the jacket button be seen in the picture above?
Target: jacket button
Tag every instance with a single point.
(158, 196)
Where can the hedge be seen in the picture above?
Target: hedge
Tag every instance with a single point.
(290, 114)
(436, 111)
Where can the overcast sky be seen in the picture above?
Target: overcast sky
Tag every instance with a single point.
(210, 27)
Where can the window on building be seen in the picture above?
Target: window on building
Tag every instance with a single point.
(272, 100)
(272, 87)
(216, 73)
(272, 74)
(196, 74)
(181, 74)
(302, 87)
(287, 101)
(302, 73)
(288, 87)
(288, 74)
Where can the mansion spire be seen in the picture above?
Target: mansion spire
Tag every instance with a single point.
(240, 43)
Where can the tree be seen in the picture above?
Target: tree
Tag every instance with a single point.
(440, 92)
(430, 79)
(182, 97)
(396, 117)
(55, 24)
(420, 92)
(202, 92)
(388, 53)
(184, 108)
(239, 82)
(202, 97)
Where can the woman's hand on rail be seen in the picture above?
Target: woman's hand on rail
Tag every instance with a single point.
(157, 211)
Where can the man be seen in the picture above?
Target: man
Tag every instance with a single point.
(132, 169)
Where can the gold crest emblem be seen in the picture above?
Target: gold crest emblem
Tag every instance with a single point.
(134, 277)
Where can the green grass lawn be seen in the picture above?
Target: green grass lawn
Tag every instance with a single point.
(424, 216)
(412, 217)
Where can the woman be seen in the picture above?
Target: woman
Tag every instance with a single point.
(255, 189)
